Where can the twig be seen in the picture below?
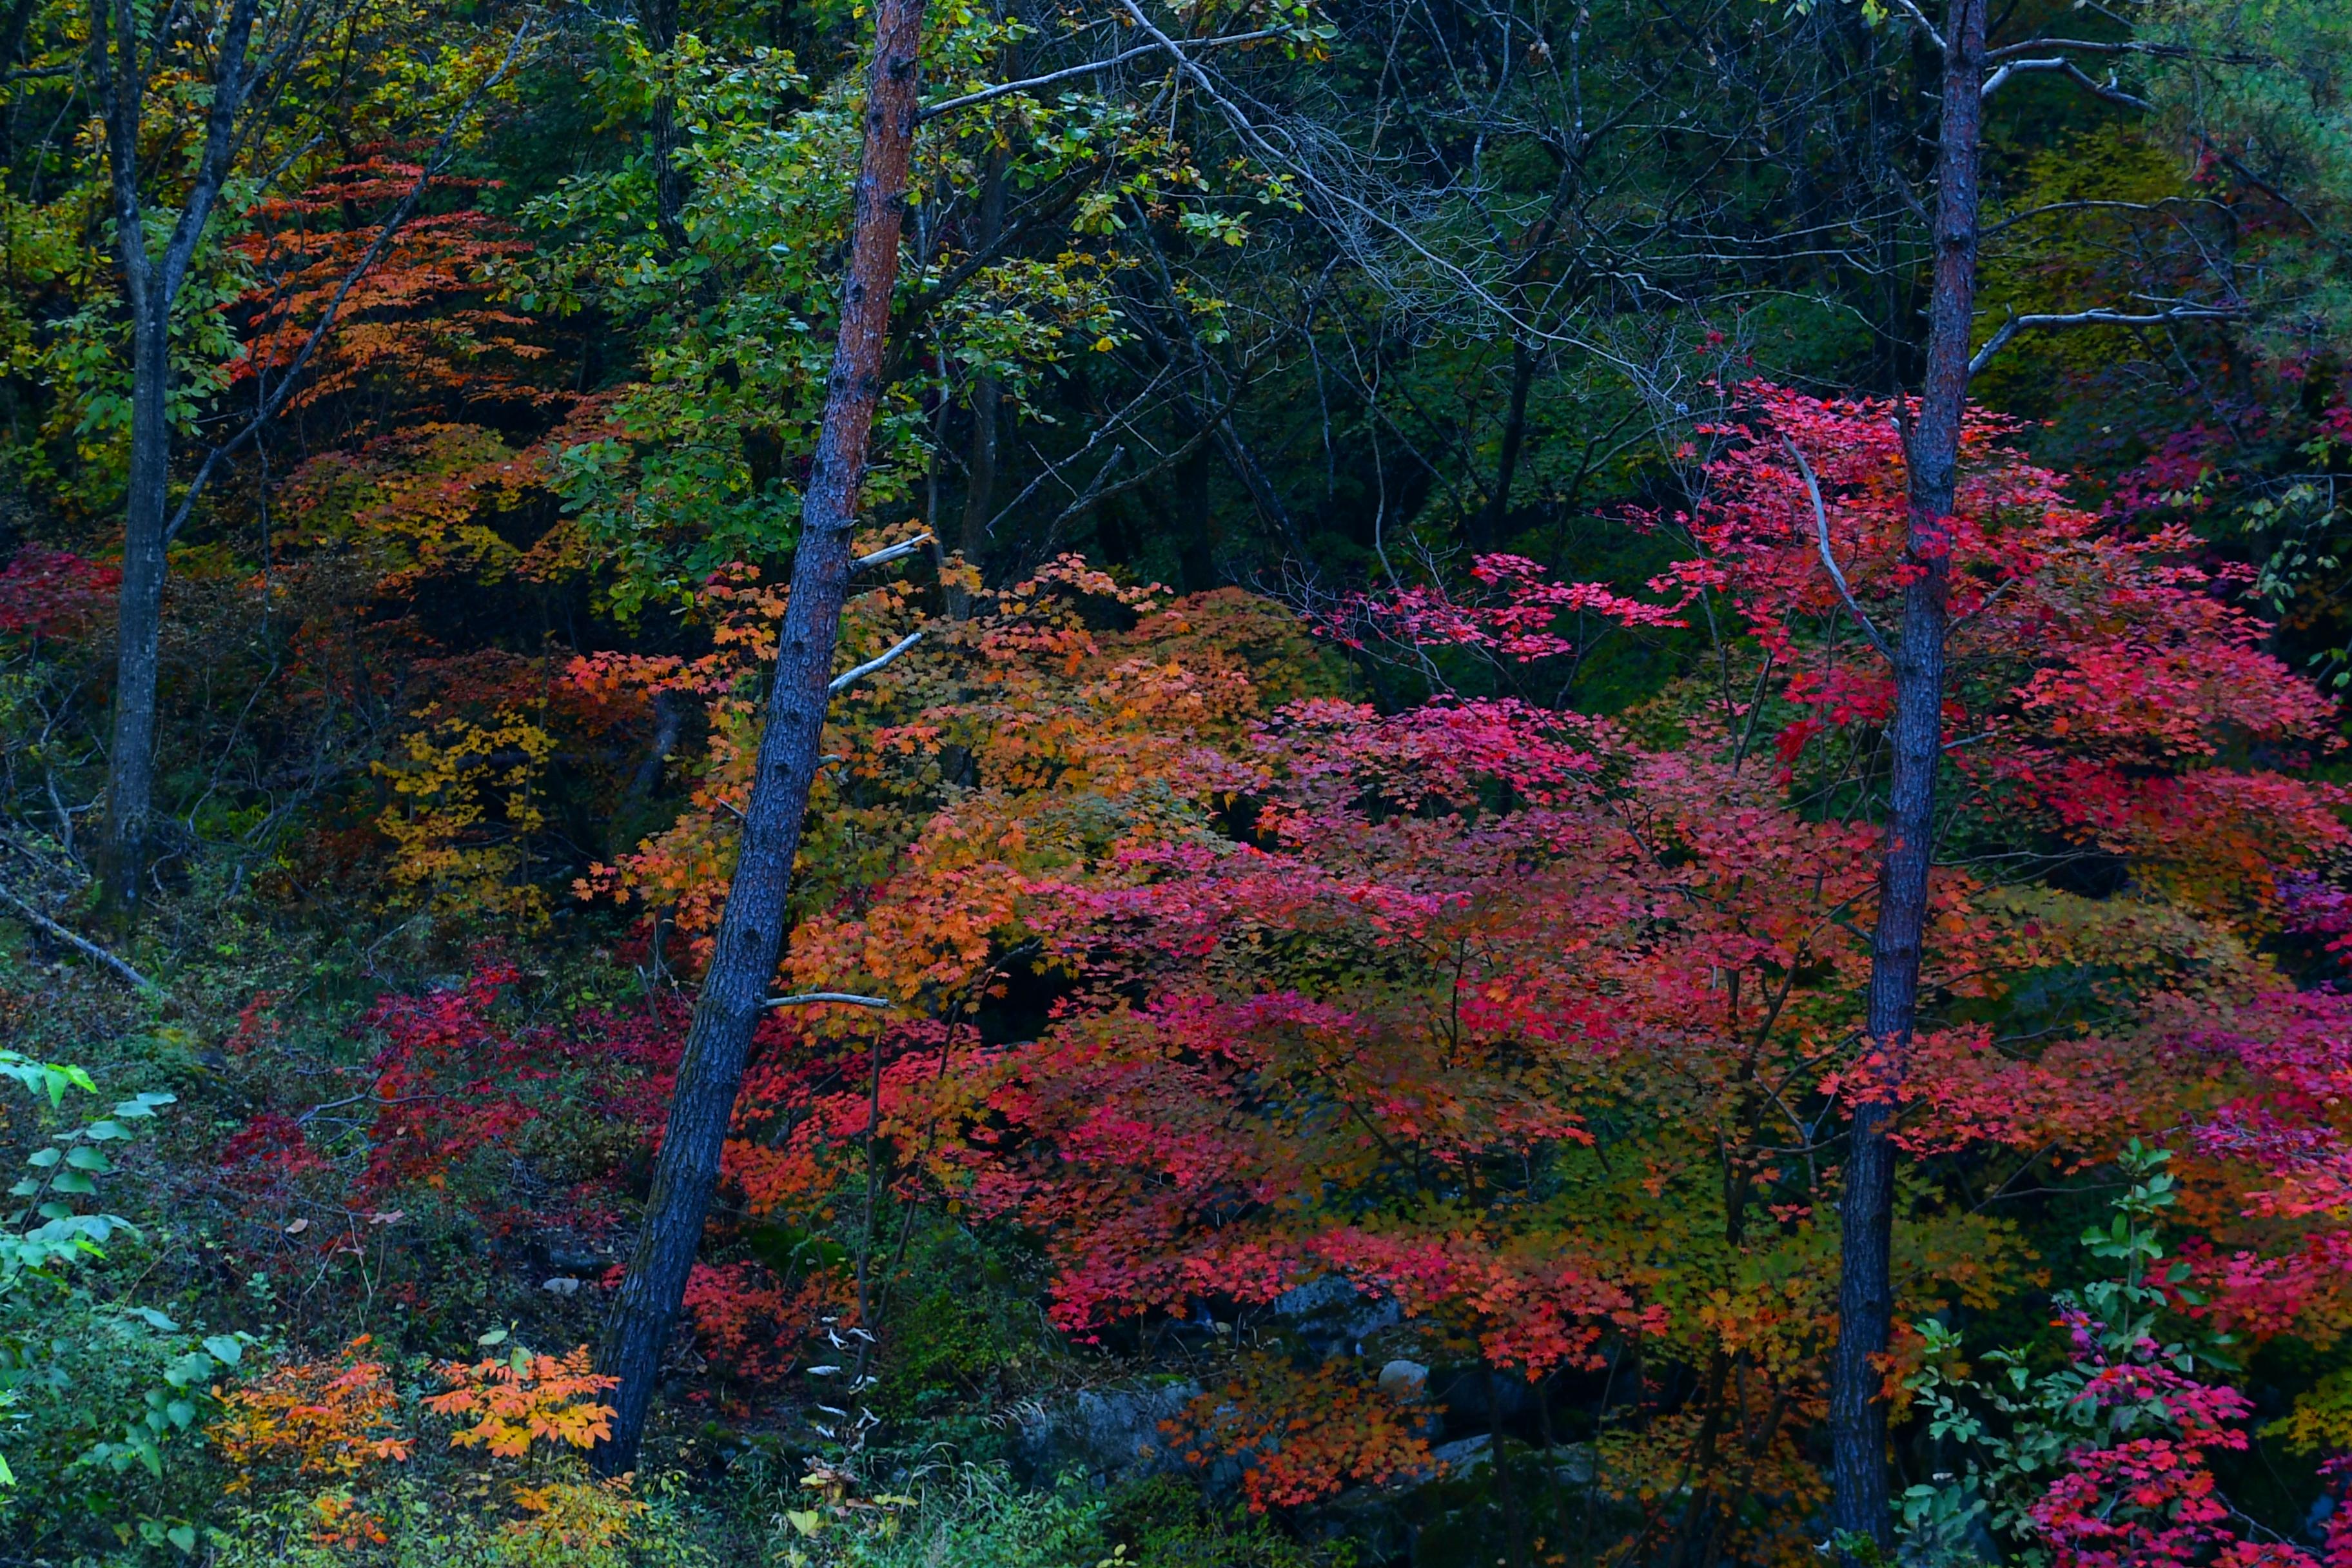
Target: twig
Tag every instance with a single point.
(809, 998)
(850, 678)
(1822, 535)
(81, 944)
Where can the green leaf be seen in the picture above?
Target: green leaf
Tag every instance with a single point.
(182, 1536)
(153, 1319)
(225, 1349)
(42, 1159)
(182, 1412)
(85, 1159)
(74, 1182)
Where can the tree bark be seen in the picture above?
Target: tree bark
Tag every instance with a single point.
(1932, 446)
(660, 21)
(1490, 525)
(751, 929)
(151, 287)
(130, 778)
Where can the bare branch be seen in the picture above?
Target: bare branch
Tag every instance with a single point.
(2126, 46)
(883, 557)
(80, 944)
(2108, 90)
(1919, 20)
(850, 678)
(1829, 560)
(2049, 208)
(810, 998)
(2016, 324)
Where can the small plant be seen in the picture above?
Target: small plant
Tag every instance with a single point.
(524, 1397)
(46, 1236)
(313, 1419)
(574, 1524)
(2102, 1463)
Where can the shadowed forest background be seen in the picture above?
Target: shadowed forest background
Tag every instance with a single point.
(1334, 978)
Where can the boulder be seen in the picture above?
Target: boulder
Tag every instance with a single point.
(1107, 1433)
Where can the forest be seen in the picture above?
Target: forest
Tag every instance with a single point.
(1176, 784)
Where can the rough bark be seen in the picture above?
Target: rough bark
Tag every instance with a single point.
(751, 929)
(130, 780)
(151, 287)
(1865, 1291)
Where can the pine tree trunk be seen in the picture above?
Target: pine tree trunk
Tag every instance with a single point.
(752, 930)
(1865, 1289)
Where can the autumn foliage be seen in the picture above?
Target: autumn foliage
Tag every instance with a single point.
(1534, 1024)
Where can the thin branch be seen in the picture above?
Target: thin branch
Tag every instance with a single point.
(2126, 46)
(1006, 89)
(850, 678)
(1919, 20)
(883, 557)
(2016, 324)
(2090, 84)
(80, 944)
(810, 998)
(1829, 560)
(2044, 211)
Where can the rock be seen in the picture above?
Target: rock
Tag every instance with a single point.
(1332, 1316)
(1573, 1464)
(1110, 1435)
(1328, 1293)
(563, 1285)
(1403, 1379)
(571, 1257)
(1461, 1458)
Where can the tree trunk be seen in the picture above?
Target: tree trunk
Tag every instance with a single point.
(131, 773)
(752, 930)
(1865, 1289)
(987, 403)
(1490, 525)
(1196, 564)
(660, 21)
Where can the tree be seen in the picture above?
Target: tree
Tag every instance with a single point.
(1932, 457)
(243, 70)
(259, 51)
(752, 930)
